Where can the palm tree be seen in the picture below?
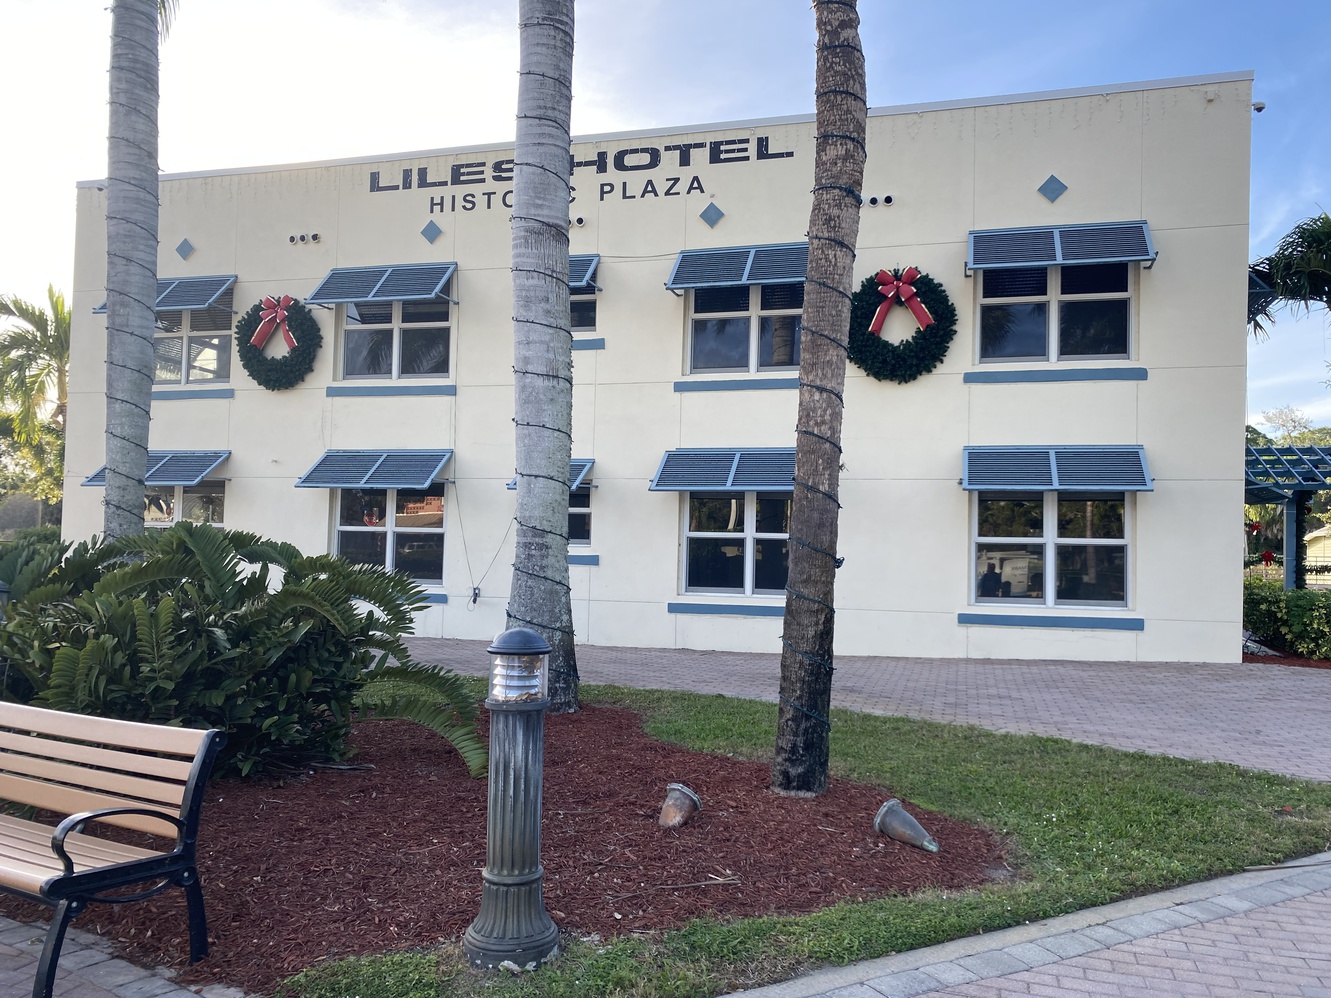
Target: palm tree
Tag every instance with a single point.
(34, 363)
(799, 763)
(1297, 274)
(131, 255)
(542, 344)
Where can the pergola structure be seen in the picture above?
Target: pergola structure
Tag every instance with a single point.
(1288, 476)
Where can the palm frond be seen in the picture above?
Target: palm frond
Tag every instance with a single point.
(439, 699)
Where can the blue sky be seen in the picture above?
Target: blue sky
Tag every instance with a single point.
(332, 78)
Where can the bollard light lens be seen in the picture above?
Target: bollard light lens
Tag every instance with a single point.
(518, 678)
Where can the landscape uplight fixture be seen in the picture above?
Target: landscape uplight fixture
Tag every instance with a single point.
(513, 929)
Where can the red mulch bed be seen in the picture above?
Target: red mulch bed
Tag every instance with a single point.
(341, 862)
(1302, 663)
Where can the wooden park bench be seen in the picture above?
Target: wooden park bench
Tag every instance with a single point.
(142, 777)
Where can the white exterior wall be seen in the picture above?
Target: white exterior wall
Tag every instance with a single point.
(1173, 153)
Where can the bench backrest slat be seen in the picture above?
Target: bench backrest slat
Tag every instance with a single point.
(161, 767)
(69, 800)
(183, 742)
(134, 790)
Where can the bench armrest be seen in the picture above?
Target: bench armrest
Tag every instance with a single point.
(75, 823)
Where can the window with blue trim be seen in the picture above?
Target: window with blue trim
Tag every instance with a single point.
(194, 345)
(398, 529)
(164, 505)
(1019, 537)
(737, 542)
(1068, 312)
(745, 328)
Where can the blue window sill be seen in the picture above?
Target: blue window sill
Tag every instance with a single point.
(1052, 620)
(728, 609)
(333, 391)
(737, 385)
(597, 343)
(436, 599)
(584, 559)
(1054, 374)
(193, 393)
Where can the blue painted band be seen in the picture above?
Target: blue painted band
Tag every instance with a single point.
(436, 599)
(590, 344)
(1054, 374)
(1039, 620)
(584, 559)
(194, 393)
(377, 390)
(737, 385)
(728, 609)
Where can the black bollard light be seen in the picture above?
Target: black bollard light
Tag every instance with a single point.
(512, 927)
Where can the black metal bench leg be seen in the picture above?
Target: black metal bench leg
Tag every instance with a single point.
(198, 922)
(55, 938)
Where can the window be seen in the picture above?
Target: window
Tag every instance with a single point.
(396, 339)
(1021, 536)
(582, 311)
(1086, 306)
(164, 505)
(746, 328)
(580, 515)
(737, 542)
(193, 345)
(399, 529)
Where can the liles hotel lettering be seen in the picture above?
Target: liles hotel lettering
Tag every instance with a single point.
(682, 155)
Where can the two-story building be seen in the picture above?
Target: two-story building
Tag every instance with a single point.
(1066, 483)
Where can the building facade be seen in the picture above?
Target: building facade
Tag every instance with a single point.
(1066, 483)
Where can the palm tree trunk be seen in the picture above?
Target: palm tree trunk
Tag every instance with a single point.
(799, 764)
(542, 343)
(131, 260)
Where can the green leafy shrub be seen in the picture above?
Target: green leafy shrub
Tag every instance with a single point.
(1297, 621)
(203, 627)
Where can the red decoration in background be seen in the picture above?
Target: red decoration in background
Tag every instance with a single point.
(274, 316)
(1268, 557)
(894, 289)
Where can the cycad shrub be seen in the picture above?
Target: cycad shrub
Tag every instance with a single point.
(1297, 621)
(203, 627)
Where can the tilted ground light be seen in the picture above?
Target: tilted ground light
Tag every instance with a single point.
(893, 821)
(680, 805)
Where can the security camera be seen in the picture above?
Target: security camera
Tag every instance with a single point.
(1259, 106)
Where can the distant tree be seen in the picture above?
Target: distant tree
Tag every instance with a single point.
(34, 362)
(1256, 438)
(1288, 421)
(539, 597)
(803, 736)
(1297, 275)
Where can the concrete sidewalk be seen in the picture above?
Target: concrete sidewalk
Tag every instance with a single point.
(1259, 933)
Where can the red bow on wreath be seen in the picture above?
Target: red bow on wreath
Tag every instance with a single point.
(274, 316)
(894, 289)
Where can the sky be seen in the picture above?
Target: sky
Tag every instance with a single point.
(257, 82)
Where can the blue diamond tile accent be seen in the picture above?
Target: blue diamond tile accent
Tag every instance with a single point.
(711, 215)
(431, 232)
(1052, 189)
(185, 249)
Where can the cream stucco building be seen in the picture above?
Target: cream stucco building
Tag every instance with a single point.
(1062, 485)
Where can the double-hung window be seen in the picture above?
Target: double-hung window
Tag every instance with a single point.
(753, 328)
(582, 292)
(395, 322)
(1053, 293)
(737, 543)
(193, 345)
(1051, 548)
(1050, 526)
(164, 505)
(744, 306)
(397, 529)
(1070, 312)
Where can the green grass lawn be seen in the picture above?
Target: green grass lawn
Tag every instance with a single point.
(1086, 826)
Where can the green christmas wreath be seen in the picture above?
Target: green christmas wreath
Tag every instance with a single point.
(296, 325)
(905, 361)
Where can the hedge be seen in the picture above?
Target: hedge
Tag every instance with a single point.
(1296, 621)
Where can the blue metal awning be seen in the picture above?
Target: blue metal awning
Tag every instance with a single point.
(1040, 246)
(375, 469)
(781, 263)
(172, 467)
(582, 272)
(183, 293)
(1274, 474)
(578, 469)
(1064, 469)
(403, 282)
(716, 470)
